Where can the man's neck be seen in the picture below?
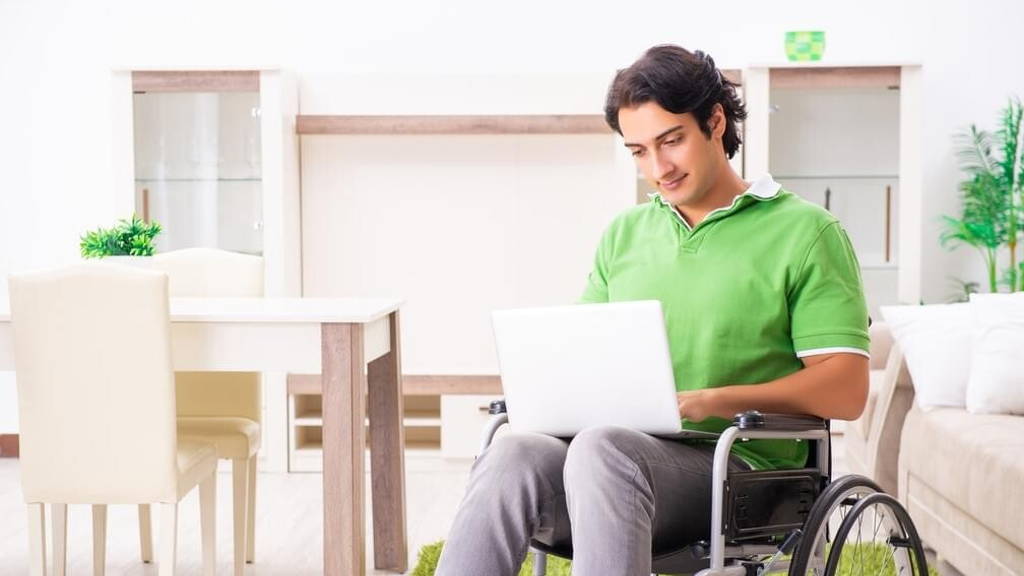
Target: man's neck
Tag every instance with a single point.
(726, 188)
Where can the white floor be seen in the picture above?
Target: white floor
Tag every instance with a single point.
(288, 522)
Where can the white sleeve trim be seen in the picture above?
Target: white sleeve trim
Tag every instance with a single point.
(835, 350)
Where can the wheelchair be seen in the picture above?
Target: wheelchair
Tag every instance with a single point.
(796, 522)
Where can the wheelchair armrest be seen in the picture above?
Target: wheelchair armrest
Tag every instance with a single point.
(754, 420)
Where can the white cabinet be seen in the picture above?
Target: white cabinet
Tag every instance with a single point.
(213, 156)
(463, 418)
(847, 136)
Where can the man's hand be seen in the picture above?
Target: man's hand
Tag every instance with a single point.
(696, 405)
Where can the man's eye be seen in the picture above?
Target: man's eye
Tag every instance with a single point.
(637, 153)
(673, 141)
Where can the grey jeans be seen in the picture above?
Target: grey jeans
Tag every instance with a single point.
(617, 495)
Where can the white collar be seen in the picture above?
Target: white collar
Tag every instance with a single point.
(764, 188)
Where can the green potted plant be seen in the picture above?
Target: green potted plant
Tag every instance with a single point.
(129, 237)
(992, 215)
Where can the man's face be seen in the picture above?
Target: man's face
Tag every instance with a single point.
(672, 153)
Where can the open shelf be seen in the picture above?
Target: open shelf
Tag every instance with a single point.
(421, 421)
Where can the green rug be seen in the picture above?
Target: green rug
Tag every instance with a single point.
(429, 555)
(876, 557)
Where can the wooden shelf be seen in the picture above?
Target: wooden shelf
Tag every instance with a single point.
(415, 385)
(195, 81)
(836, 77)
(479, 124)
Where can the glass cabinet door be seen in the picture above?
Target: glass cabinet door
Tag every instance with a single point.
(198, 169)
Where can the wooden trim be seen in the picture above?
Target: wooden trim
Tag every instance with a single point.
(733, 75)
(421, 385)
(9, 446)
(414, 385)
(196, 81)
(412, 125)
(888, 223)
(837, 77)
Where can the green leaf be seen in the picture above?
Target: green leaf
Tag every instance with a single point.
(128, 237)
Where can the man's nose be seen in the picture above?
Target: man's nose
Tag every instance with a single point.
(662, 166)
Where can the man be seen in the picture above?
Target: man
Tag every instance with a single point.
(764, 309)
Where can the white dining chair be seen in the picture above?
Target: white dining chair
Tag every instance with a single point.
(223, 408)
(96, 408)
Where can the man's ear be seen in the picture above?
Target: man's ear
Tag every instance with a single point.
(717, 121)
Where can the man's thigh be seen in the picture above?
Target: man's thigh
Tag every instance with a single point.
(677, 474)
(680, 478)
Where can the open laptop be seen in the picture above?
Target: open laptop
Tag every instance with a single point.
(566, 368)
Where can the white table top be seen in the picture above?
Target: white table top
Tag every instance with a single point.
(334, 310)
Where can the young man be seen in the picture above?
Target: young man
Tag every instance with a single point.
(764, 310)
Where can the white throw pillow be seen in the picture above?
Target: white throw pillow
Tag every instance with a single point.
(936, 343)
(996, 383)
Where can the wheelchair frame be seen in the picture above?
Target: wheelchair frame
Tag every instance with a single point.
(747, 426)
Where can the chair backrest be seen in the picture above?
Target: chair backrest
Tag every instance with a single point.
(95, 387)
(199, 272)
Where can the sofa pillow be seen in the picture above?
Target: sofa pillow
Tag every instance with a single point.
(936, 343)
(996, 382)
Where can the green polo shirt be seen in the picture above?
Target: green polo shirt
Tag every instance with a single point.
(746, 293)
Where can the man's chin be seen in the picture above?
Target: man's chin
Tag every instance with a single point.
(676, 198)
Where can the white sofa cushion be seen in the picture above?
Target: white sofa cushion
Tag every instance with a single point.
(936, 342)
(996, 382)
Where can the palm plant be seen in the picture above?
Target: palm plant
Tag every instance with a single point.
(992, 195)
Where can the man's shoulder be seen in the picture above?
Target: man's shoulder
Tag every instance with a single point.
(789, 210)
(634, 217)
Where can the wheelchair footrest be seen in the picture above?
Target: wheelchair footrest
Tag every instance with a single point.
(763, 503)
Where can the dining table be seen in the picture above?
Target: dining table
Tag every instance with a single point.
(353, 343)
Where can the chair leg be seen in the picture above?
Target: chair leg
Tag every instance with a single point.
(208, 523)
(168, 539)
(60, 538)
(37, 539)
(99, 539)
(146, 533)
(240, 496)
(250, 513)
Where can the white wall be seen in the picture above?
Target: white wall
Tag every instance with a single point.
(436, 56)
(456, 226)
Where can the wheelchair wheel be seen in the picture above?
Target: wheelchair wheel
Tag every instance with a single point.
(832, 506)
(877, 533)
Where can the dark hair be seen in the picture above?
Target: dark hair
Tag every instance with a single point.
(679, 81)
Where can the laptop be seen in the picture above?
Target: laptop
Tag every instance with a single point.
(567, 368)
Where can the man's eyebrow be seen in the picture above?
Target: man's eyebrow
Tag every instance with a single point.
(659, 136)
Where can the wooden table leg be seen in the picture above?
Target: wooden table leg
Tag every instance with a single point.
(387, 457)
(344, 445)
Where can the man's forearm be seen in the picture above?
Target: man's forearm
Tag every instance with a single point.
(835, 387)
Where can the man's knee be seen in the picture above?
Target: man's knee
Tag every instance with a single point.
(525, 455)
(599, 450)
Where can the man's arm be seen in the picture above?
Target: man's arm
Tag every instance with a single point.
(829, 386)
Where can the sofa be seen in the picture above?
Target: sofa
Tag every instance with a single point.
(960, 475)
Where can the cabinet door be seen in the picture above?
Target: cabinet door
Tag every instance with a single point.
(198, 168)
(463, 418)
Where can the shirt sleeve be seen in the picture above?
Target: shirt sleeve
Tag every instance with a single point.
(828, 313)
(596, 290)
